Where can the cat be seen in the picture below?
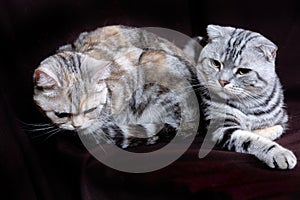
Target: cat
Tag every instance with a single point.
(241, 90)
(117, 84)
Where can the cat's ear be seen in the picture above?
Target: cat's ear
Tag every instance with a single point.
(99, 69)
(216, 31)
(103, 71)
(269, 50)
(46, 79)
(194, 47)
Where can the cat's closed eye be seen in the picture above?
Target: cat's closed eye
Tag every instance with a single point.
(62, 114)
(90, 110)
(242, 71)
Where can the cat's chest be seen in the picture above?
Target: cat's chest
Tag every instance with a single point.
(244, 115)
(247, 116)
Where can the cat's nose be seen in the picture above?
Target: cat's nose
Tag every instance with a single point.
(77, 121)
(223, 83)
(76, 127)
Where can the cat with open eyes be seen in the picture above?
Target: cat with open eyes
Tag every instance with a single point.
(242, 91)
(117, 84)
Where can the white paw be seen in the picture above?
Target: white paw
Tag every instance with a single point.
(281, 158)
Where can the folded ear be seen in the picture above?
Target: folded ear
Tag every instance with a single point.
(215, 31)
(103, 72)
(98, 69)
(46, 79)
(269, 50)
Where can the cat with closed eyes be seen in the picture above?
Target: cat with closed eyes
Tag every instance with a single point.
(117, 84)
(242, 91)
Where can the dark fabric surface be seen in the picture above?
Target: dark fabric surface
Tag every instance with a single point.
(60, 167)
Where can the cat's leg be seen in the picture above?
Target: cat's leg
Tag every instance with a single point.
(274, 155)
(271, 133)
(134, 134)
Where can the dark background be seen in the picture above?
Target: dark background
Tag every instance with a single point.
(31, 30)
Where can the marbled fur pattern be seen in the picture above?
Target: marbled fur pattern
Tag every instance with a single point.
(116, 84)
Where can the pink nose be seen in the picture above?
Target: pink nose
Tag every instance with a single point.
(223, 83)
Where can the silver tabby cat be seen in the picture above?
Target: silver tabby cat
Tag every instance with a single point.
(242, 91)
(116, 84)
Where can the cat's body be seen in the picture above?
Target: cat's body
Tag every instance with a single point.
(243, 94)
(116, 84)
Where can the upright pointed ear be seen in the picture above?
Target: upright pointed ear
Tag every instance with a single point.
(269, 50)
(46, 79)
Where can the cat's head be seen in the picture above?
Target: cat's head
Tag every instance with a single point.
(237, 63)
(70, 89)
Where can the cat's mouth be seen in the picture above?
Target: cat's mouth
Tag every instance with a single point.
(77, 129)
(227, 92)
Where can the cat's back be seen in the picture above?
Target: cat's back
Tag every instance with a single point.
(114, 38)
(131, 49)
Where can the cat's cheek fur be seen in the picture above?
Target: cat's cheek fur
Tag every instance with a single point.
(233, 91)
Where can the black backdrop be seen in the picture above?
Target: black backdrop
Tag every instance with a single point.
(58, 167)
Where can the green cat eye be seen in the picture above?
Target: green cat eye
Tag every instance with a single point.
(215, 63)
(242, 71)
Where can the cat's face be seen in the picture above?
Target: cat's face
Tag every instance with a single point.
(70, 88)
(237, 63)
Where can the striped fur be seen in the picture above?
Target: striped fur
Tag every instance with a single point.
(117, 84)
(243, 93)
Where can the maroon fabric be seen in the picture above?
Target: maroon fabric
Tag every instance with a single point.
(61, 168)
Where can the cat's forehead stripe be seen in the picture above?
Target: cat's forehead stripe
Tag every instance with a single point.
(233, 43)
(69, 61)
(238, 44)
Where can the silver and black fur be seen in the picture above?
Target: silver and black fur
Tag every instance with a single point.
(242, 93)
(118, 84)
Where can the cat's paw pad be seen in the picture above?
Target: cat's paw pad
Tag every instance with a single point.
(271, 133)
(281, 158)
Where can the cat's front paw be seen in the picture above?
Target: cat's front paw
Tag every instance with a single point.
(271, 133)
(281, 158)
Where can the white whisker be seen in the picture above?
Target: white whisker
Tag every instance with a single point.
(52, 134)
(55, 129)
(41, 129)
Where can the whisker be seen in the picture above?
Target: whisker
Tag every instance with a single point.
(46, 133)
(35, 124)
(107, 138)
(97, 137)
(52, 134)
(41, 129)
(253, 98)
